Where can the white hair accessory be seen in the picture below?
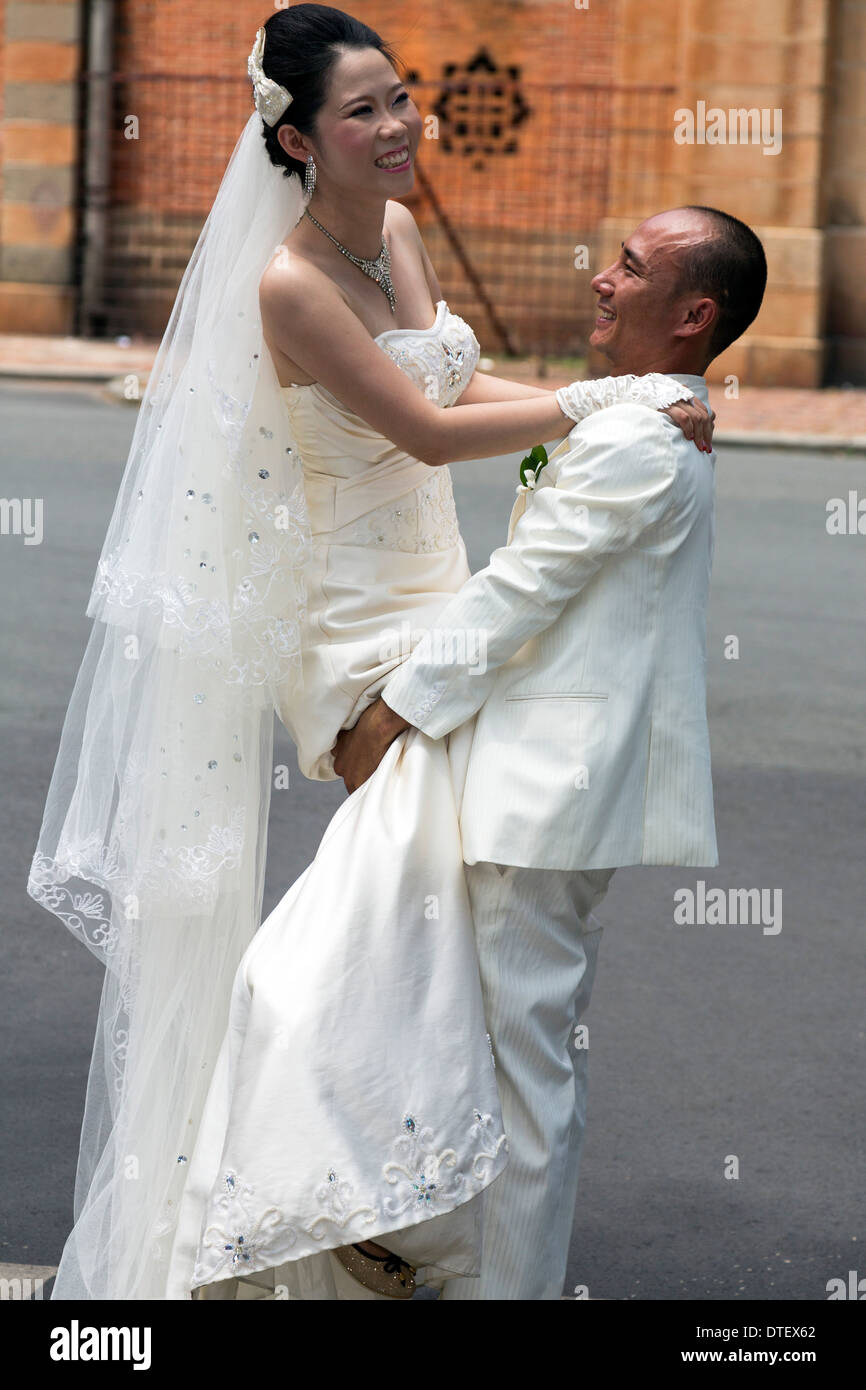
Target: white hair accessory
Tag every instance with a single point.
(271, 99)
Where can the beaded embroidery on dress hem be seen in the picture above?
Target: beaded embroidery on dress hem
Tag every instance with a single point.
(252, 1235)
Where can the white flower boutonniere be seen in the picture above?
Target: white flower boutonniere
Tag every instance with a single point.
(530, 468)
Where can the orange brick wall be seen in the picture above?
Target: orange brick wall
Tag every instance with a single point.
(41, 54)
(552, 44)
(187, 86)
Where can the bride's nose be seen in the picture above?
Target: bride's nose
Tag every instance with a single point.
(392, 128)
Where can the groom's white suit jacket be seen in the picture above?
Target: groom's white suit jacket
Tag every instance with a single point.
(592, 748)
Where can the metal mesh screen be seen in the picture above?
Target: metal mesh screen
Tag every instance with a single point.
(512, 179)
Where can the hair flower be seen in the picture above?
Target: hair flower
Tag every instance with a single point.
(271, 99)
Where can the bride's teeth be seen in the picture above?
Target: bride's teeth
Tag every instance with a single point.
(393, 160)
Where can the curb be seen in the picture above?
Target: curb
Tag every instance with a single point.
(94, 376)
(807, 443)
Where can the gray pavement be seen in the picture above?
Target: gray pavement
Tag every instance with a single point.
(706, 1041)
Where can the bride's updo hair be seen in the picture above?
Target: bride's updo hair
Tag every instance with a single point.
(302, 44)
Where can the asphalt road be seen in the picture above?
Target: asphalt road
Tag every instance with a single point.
(707, 1042)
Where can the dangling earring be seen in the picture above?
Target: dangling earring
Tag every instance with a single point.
(310, 176)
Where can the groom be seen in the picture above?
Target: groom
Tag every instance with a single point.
(591, 749)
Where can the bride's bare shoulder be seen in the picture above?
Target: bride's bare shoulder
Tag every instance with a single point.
(403, 229)
(299, 304)
(290, 279)
(400, 217)
(401, 225)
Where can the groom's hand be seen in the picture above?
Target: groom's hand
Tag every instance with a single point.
(359, 750)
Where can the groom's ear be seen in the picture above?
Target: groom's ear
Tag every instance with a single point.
(698, 316)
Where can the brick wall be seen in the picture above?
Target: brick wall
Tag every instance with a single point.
(41, 56)
(187, 88)
(843, 210)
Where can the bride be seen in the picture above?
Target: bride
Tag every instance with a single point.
(307, 1110)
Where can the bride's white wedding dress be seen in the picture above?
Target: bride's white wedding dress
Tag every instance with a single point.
(355, 1096)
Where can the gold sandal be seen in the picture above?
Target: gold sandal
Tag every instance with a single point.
(386, 1274)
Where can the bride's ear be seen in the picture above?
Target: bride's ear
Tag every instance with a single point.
(293, 143)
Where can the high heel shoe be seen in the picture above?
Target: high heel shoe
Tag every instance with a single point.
(386, 1274)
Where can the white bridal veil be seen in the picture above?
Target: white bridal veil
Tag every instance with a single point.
(152, 845)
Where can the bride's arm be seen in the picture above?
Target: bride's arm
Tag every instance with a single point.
(483, 387)
(306, 317)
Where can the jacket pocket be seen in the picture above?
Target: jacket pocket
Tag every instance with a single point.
(566, 730)
(557, 695)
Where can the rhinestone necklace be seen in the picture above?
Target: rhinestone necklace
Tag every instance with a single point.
(378, 269)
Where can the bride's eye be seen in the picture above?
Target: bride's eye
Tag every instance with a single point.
(362, 110)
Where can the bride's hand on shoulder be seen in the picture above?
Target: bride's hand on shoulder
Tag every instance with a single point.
(695, 421)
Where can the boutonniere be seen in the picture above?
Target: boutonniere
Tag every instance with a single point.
(530, 468)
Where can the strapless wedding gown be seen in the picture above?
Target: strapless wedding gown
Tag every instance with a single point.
(354, 1097)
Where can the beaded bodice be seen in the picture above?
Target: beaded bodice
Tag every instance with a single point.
(362, 489)
(440, 359)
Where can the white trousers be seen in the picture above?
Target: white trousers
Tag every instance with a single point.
(537, 947)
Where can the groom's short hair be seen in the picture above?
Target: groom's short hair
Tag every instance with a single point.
(731, 269)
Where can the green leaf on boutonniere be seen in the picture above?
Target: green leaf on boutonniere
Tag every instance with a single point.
(536, 458)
